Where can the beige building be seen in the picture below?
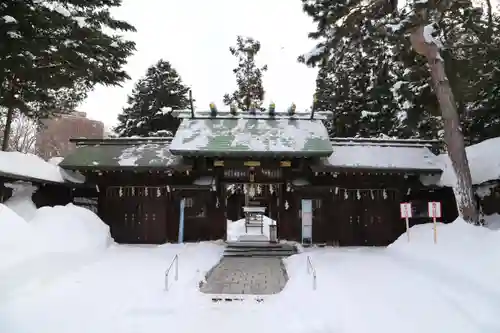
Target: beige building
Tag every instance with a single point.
(53, 138)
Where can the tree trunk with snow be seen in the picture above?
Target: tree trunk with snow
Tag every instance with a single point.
(425, 45)
(6, 131)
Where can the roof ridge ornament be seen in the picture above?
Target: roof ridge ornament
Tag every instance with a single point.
(272, 109)
(271, 114)
(213, 110)
(292, 109)
(233, 109)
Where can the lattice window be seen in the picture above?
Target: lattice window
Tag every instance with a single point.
(191, 209)
(88, 203)
(316, 204)
(272, 173)
(232, 173)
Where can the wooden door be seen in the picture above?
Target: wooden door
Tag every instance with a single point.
(346, 218)
(121, 213)
(153, 221)
(379, 212)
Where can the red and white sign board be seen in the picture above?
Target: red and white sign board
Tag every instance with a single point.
(405, 208)
(435, 209)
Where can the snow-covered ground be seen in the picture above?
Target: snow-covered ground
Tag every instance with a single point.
(94, 285)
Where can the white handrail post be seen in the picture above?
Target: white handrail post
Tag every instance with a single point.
(167, 272)
(176, 267)
(310, 269)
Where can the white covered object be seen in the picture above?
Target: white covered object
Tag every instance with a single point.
(20, 201)
(236, 231)
(29, 165)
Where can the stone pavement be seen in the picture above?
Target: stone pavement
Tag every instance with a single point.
(246, 275)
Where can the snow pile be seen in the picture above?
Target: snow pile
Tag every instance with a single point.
(236, 230)
(70, 229)
(20, 201)
(492, 221)
(462, 249)
(484, 163)
(29, 165)
(17, 238)
(32, 232)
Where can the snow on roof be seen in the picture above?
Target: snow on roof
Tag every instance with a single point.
(247, 135)
(375, 155)
(55, 160)
(121, 154)
(484, 163)
(29, 167)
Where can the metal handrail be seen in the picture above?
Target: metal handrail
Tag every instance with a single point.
(310, 269)
(167, 272)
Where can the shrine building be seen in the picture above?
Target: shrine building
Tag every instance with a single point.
(219, 162)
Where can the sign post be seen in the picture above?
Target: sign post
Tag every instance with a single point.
(307, 221)
(405, 208)
(182, 205)
(434, 208)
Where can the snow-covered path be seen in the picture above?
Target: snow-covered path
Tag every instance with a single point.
(359, 290)
(375, 291)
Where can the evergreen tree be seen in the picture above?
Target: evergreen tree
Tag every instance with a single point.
(358, 79)
(345, 27)
(58, 48)
(470, 53)
(148, 112)
(250, 91)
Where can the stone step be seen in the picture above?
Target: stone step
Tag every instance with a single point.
(258, 254)
(259, 249)
(234, 299)
(259, 245)
(278, 253)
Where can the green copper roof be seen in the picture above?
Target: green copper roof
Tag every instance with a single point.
(121, 154)
(251, 137)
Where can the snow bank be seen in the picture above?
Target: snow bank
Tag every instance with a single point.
(236, 230)
(484, 163)
(17, 238)
(27, 232)
(20, 201)
(492, 221)
(70, 229)
(462, 249)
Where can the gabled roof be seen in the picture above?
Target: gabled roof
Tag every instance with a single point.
(382, 155)
(251, 137)
(124, 153)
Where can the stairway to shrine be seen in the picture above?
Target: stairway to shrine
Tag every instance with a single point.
(259, 249)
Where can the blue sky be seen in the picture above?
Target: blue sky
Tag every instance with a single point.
(195, 36)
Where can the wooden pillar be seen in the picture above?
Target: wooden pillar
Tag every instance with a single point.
(282, 223)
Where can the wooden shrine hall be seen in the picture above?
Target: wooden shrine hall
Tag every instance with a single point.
(219, 162)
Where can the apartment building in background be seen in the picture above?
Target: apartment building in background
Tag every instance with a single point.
(54, 134)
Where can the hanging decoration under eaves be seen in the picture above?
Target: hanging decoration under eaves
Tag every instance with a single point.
(272, 112)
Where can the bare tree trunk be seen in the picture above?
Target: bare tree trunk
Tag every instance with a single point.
(453, 135)
(6, 132)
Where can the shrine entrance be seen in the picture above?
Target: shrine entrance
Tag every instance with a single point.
(239, 195)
